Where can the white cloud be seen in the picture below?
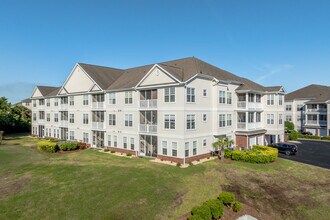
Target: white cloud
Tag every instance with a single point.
(270, 71)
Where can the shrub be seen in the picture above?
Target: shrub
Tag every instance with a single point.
(227, 198)
(129, 154)
(202, 211)
(325, 138)
(195, 217)
(259, 154)
(216, 207)
(309, 136)
(237, 206)
(113, 151)
(227, 153)
(293, 135)
(82, 145)
(289, 125)
(178, 164)
(47, 146)
(208, 157)
(67, 146)
(106, 150)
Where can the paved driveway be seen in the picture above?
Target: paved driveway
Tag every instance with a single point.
(312, 152)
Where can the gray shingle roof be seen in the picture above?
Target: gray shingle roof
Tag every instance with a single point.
(48, 90)
(317, 93)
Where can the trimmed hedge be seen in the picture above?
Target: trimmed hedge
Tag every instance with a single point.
(293, 135)
(203, 211)
(237, 206)
(216, 208)
(325, 138)
(309, 137)
(67, 146)
(259, 154)
(227, 198)
(48, 146)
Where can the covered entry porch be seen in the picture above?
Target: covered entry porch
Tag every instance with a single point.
(148, 145)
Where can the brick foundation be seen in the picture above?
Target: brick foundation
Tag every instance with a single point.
(125, 151)
(172, 159)
(197, 157)
(241, 141)
(181, 160)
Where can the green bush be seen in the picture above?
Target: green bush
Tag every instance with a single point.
(178, 164)
(227, 198)
(227, 153)
(113, 151)
(195, 217)
(82, 145)
(289, 125)
(129, 154)
(326, 138)
(106, 150)
(47, 146)
(293, 135)
(216, 207)
(309, 137)
(68, 146)
(237, 206)
(259, 154)
(202, 211)
(191, 164)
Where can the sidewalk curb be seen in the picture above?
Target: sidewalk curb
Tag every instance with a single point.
(306, 139)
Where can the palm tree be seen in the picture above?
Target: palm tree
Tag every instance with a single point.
(221, 144)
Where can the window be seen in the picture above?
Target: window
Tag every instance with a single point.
(169, 121)
(41, 115)
(288, 118)
(270, 119)
(288, 108)
(71, 118)
(109, 140)
(48, 116)
(128, 120)
(323, 117)
(132, 144)
(204, 117)
(169, 94)
(112, 98)
(186, 149)
(46, 132)
(34, 117)
(299, 107)
(47, 102)
(128, 97)
(115, 141)
(112, 119)
(190, 94)
(164, 147)
(190, 122)
(71, 100)
(204, 142)
(41, 102)
(204, 92)
(228, 119)
(34, 103)
(280, 119)
(125, 142)
(258, 117)
(194, 147)
(251, 117)
(85, 119)
(85, 137)
(71, 135)
(222, 97)
(312, 117)
(270, 99)
(280, 99)
(64, 100)
(85, 100)
(251, 97)
(258, 98)
(229, 98)
(174, 149)
(222, 120)
(56, 102)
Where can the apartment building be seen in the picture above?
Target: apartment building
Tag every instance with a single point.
(172, 110)
(308, 109)
(26, 103)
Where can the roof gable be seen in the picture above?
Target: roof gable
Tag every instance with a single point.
(36, 93)
(157, 76)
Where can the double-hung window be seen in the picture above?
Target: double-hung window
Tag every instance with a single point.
(85, 137)
(115, 143)
(258, 98)
(194, 147)
(132, 144)
(71, 100)
(169, 94)
(222, 120)
(85, 99)
(164, 147)
(112, 98)
(186, 149)
(128, 120)
(222, 97)
(280, 99)
(112, 119)
(229, 120)
(258, 116)
(190, 94)
(129, 97)
(280, 119)
(71, 119)
(229, 99)
(85, 119)
(109, 140)
(71, 135)
(169, 121)
(270, 99)
(48, 116)
(251, 117)
(125, 142)
(174, 149)
(270, 119)
(190, 125)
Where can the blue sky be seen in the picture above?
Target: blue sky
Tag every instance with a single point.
(271, 42)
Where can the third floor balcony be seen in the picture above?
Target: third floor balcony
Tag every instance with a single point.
(249, 126)
(249, 105)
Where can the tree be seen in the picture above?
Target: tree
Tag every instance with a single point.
(289, 125)
(221, 144)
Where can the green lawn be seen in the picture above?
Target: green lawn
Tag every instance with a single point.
(93, 185)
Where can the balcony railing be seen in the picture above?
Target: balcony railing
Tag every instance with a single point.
(148, 103)
(249, 105)
(98, 125)
(248, 126)
(312, 122)
(146, 128)
(316, 110)
(63, 123)
(98, 105)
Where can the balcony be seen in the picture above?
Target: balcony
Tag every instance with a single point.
(316, 110)
(146, 128)
(64, 107)
(148, 103)
(248, 105)
(248, 126)
(64, 123)
(98, 125)
(98, 105)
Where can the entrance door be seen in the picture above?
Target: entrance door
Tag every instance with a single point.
(41, 131)
(98, 139)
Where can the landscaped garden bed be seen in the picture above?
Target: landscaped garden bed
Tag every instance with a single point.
(54, 146)
(259, 154)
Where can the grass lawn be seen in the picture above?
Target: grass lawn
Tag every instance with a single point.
(93, 185)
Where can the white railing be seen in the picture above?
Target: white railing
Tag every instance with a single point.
(312, 122)
(241, 125)
(98, 105)
(63, 106)
(323, 123)
(98, 125)
(145, 128)
(249, 105)
(63, 123)
(248, 126)
(241, 104)
(316, 110)
(149, 103)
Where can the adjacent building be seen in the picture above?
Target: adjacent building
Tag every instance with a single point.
(172, 110)
(26, 103)
(308, 109)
